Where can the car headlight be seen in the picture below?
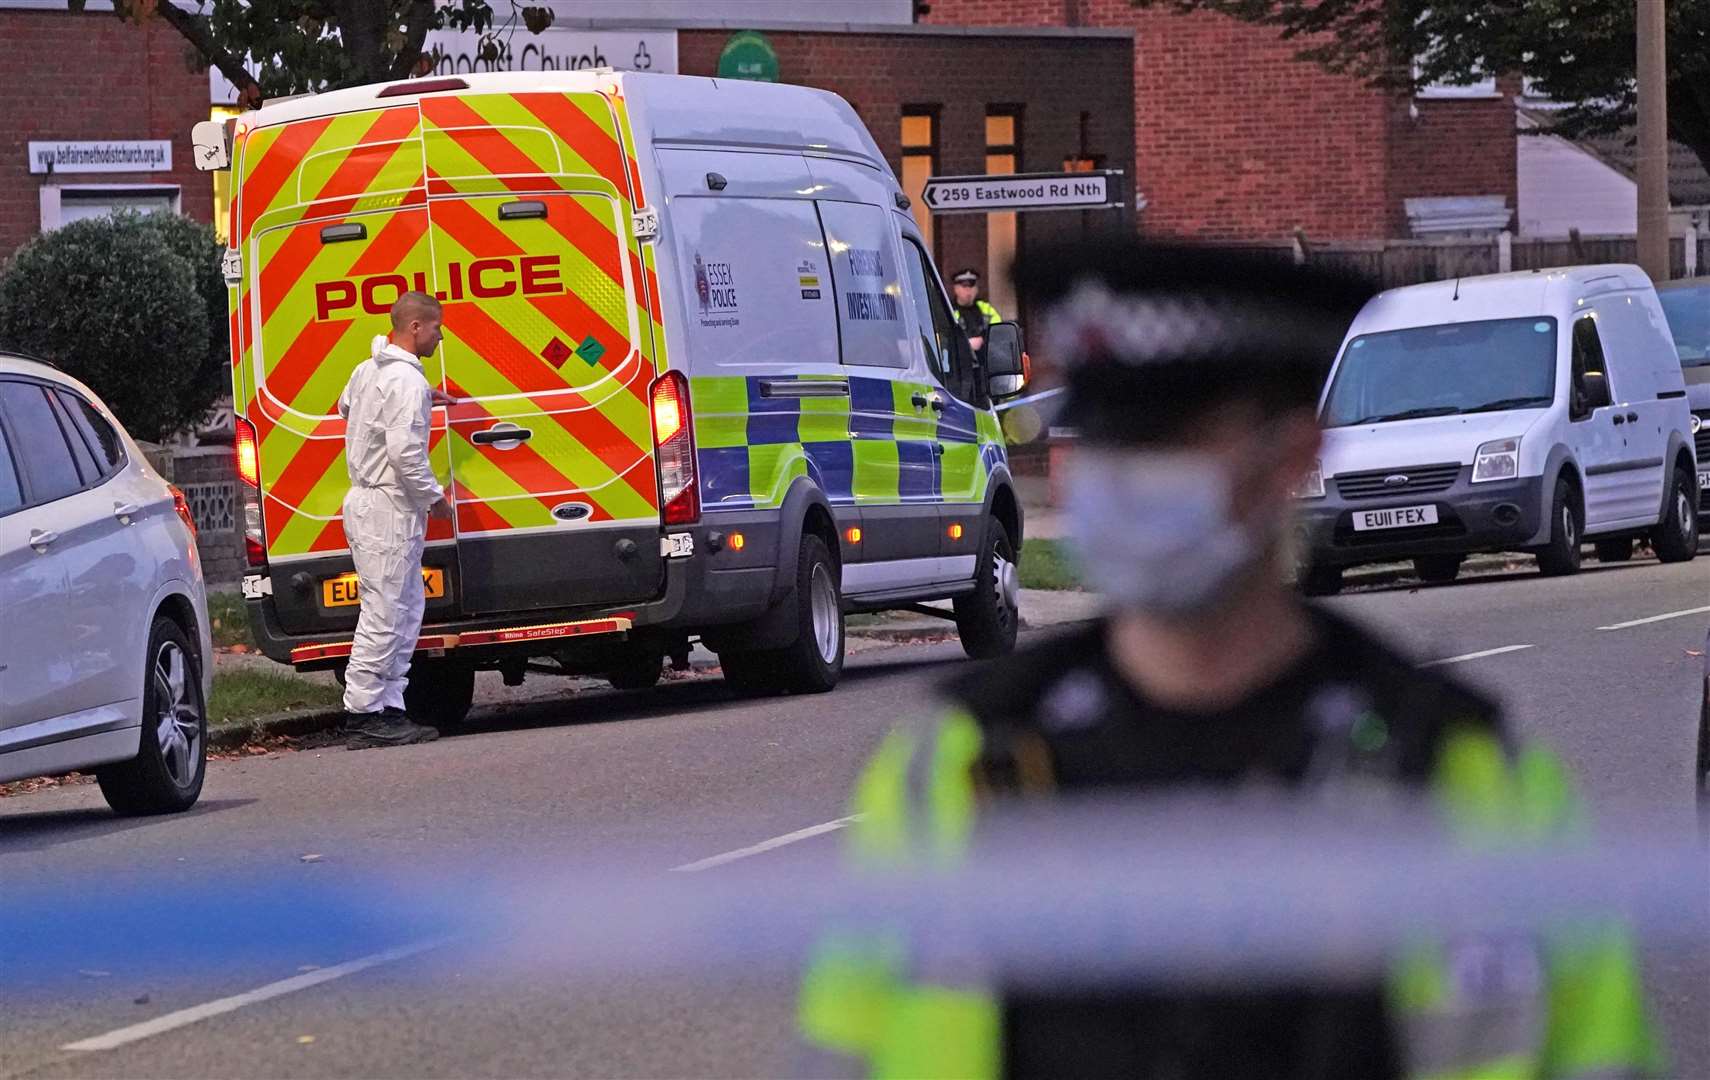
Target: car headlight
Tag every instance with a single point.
(1311, 485)
(1498, 460)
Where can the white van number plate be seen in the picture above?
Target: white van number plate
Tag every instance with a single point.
(1396, 517)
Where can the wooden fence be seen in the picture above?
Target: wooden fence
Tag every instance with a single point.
(1409, 262)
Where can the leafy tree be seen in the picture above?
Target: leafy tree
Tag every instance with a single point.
(304, 46)
(111, 302)
(1579, 52)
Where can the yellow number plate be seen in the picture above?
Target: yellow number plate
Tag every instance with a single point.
(342, 591)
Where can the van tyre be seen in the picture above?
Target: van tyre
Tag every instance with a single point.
(988, 618)
(1321, 580)
(1562, 556)
(1676, 536)
(166, 775)
(814, 663)
(440, 693)
(639, 671)
(1615, 551)
(1438, 569)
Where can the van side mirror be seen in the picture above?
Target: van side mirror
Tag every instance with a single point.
(211, 141)
(1593, 392)
(1006, 360)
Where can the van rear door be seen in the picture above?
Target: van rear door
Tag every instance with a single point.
(549, 349)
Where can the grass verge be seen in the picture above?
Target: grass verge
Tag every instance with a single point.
(1045, 564)
(229, 620)
(242, 696)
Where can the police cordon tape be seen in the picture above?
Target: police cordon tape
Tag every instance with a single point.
(1177, 890)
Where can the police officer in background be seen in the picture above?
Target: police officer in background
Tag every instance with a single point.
(1193, 378)
(974, 314)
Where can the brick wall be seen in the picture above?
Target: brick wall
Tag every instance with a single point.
(1452, 147)
(208, 477)
(881, 73)
(69, 77)
(1235, 139)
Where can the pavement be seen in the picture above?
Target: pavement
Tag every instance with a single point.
(1603, 665)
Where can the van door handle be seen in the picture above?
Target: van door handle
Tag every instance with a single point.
(1632, 418)
(1619, 419)
(937, 403)
(126, 511)
(919, 400)
(502, 433)
(42, 540)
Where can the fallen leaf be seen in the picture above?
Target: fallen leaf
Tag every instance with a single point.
(1695, 652)
(304, 1040)
(311, 858)
(240, 649)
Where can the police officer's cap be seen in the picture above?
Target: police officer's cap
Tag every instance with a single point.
(1151, 334)
(966, 277)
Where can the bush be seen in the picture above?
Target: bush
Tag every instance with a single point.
(196, 243)
(110, 302)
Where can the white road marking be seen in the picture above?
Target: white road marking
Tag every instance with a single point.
(765, 845)
(197, 1013)
(1657, 618)
(1478, 655)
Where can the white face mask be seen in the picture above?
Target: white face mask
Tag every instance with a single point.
(1152, 531)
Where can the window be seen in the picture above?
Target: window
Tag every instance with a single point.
(97, 434)
(80, 451)
(866, 285)
(1423, 371)
(755, 277)
(11, 495)
(919, 161)
(39, 441)
(941, 338)
(1588, 360)
(1003, 156)
(64, 204)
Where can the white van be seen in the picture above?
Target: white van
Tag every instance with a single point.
(1513, 412)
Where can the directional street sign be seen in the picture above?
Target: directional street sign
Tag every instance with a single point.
(1024, 191)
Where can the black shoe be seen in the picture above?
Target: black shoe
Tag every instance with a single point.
(389, 728)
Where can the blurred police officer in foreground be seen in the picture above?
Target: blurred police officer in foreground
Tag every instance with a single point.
(1193, 382)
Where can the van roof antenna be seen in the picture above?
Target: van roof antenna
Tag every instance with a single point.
(1457, 295)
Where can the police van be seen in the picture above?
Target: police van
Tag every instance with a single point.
(707, 382)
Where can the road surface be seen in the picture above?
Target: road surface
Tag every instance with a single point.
(1599, 665)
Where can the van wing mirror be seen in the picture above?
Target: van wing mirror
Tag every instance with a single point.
(212, 142)
(1594, 391)
(1006, 360)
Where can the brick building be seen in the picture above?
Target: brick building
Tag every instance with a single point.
(88, 78)
(1236, 140)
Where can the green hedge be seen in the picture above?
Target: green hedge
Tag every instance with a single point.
(122, 303)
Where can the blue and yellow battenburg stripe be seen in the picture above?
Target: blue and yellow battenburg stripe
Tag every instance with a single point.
(870, 448)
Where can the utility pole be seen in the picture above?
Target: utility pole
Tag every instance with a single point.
(1653, 140)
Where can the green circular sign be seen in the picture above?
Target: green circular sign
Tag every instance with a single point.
(748, 55)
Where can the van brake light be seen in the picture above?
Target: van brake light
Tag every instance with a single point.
(673, 438)
(181, 503)
(249, 471)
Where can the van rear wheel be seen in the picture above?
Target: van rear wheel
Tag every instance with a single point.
(814, 662)
(1562, 556)
(1676, 536)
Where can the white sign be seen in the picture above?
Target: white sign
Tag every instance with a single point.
(557, 48)
(102, 156)
(1023, 191)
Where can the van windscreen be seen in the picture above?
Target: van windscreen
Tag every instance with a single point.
(1443, 370)
(1688, 311)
